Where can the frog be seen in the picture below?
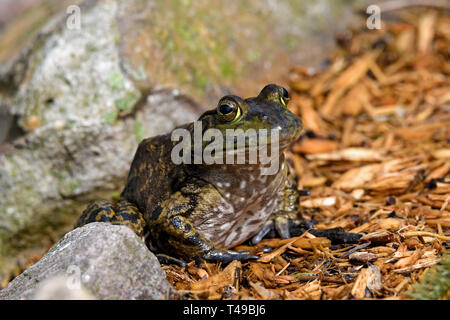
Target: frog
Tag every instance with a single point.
(198, 210)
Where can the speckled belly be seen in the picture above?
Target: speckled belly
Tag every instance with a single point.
(246, 200)
(231, 227)
(237, 218)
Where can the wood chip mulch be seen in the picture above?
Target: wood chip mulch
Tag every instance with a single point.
(375, 156)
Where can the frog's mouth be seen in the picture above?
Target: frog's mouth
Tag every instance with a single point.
(263, 150)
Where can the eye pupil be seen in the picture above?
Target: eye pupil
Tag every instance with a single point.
(225, 109)
(285, 93)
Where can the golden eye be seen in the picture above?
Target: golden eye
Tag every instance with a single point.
(228, 110)
(284, 97)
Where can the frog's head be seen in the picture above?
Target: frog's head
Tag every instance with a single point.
(266, 111)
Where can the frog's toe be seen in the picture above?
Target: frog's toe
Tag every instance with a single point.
(288, 227)
(226, 256)
(166, 259)
(268, 226)
(282, 227)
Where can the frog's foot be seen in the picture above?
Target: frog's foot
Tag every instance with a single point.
(284, 220)
(284, 226)
(226, 256)
(122, 213)
(166, 259)
(177, 236)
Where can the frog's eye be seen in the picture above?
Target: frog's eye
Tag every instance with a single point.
(228, 110)
(284, 97)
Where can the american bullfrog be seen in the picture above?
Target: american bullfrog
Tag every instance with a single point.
(199, 210)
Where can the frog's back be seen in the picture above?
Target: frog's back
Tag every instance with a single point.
(151, 174)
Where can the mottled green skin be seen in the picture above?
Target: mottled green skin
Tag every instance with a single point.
(200, 210)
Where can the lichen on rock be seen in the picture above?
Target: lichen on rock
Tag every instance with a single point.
(70, 64)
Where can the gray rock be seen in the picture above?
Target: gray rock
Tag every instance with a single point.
(109, 261)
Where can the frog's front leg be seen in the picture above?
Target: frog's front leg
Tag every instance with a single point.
(174, 233)
(121, 213)
(286, 215)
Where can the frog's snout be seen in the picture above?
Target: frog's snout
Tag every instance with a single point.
(291, 128)
(296, 127)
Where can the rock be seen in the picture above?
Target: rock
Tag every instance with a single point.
(97, 260)
(49, 179)
(76, 101)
